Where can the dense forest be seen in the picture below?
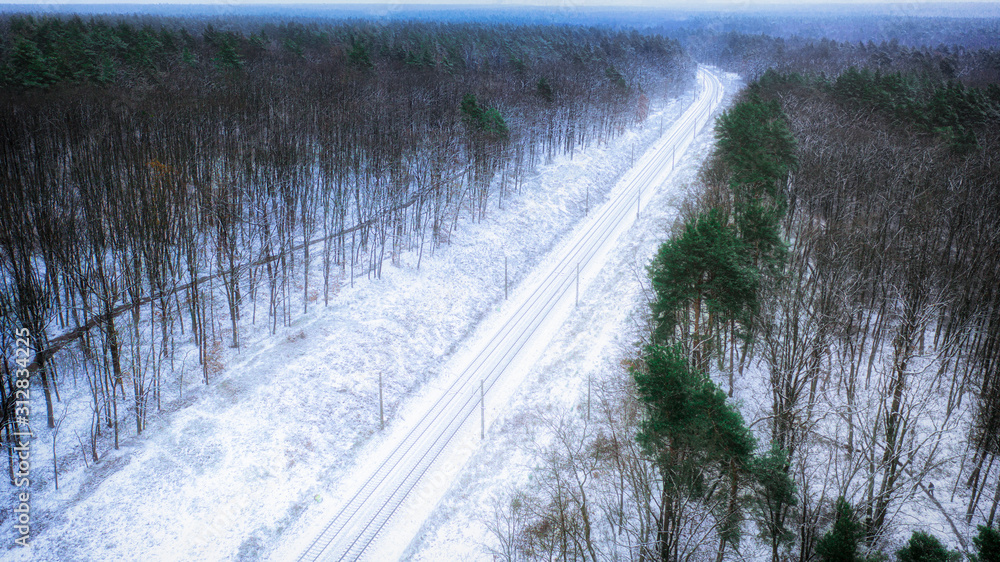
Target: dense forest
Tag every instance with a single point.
(752, 54)
(822, 337)
(822, 342)
(166, 174)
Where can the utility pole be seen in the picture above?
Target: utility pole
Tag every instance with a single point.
(482, 410)
(381, 408)
(589, 376)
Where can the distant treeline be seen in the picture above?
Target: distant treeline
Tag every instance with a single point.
(751, 54)
(970, 26)
(176, 174)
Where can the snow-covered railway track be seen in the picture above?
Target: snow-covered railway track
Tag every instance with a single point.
(365, 514)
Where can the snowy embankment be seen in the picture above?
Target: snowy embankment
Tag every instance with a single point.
(582, 355)
(225, 469)
(585, 356)
(408, 469)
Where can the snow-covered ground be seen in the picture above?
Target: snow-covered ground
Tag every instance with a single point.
(588, 349)
(436, 434)
(234, 470)
(225, 470)
(587, 352)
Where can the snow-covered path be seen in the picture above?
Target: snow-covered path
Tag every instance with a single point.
(395, 487)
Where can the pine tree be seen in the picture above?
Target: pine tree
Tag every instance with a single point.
(696, 438)
(775, 494)
(486, 121)
(29, 69)
(987, 544)
(188, 57)
(841, 543)
(923, 547)
(358, 56)
(759, 228)
(754, 139)
(757, 145)
(228, 58)
(702, 273)
(688, 416)
(471, 110)
(544, 89)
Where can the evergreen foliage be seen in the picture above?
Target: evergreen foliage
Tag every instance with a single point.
(488, 121)
(28, 67)
(840, 544)
(38, 52)
(544, 89)
(616, 77)
(923, 547)
(759, 228)
(754, 140)
(705, 265)
(707, 280)
(756, 145)
(987, 544)
(359, 57)
(698, 441)
(774, 492)
(41, 52)
(690, 428)
(947, 109)
(227, 58)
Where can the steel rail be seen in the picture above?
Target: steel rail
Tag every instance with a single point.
(346, 537)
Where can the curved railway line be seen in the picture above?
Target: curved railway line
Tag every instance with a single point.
(369, 508)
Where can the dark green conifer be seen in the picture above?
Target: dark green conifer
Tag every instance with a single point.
(703, 270)
(923, 547)
(987, 544)
(840, 544)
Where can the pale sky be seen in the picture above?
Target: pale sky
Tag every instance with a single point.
(678, 4)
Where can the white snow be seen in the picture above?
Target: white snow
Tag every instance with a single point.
(246, 467)
(225, 470)
(505, 347)
(599, 333)
(605, 330)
